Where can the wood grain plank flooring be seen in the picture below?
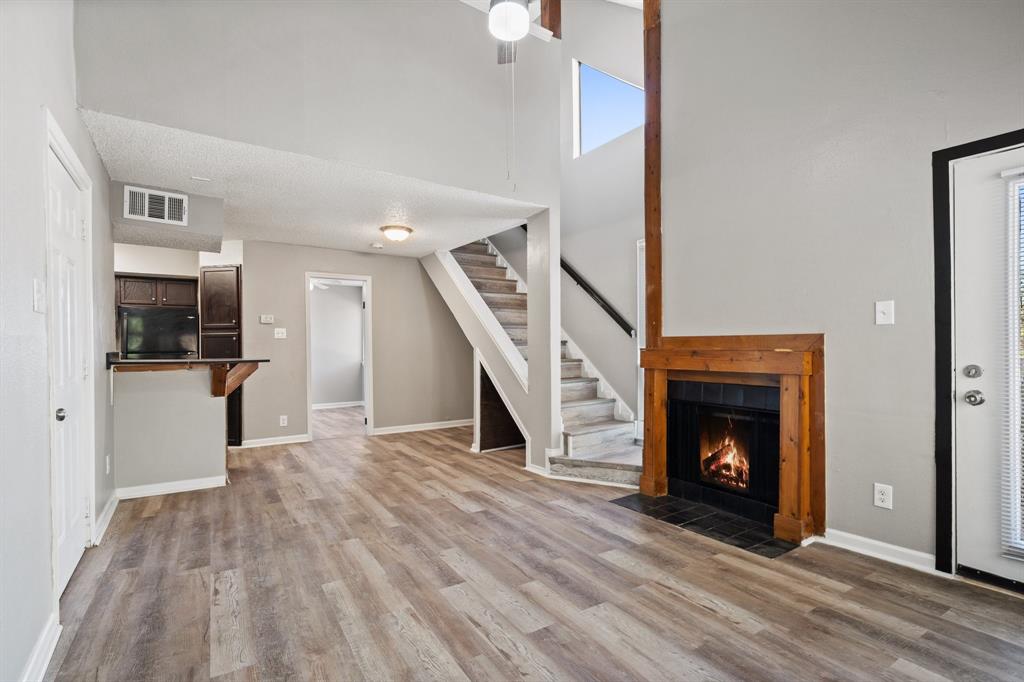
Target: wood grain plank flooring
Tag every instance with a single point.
(408, 557)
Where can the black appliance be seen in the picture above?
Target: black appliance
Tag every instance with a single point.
(152, 332)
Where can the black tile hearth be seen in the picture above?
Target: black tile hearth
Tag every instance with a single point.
(710, 522)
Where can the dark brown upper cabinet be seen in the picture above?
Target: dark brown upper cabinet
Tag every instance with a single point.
(178, 292)
(137, 291)
(219, 289)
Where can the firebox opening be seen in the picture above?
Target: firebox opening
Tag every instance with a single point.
(725, 449)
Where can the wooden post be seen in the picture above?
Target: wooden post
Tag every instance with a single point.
(654, 479)
(652, 172)
(792, 522)
(551, 16)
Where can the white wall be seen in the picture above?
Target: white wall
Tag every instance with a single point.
(37, 70)
(155, 260)
(797, 191)
(422, 363)
(230, 254)
(336, 344)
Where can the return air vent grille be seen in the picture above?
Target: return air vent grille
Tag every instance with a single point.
(155, 206)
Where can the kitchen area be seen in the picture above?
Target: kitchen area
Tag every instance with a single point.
(176, 379)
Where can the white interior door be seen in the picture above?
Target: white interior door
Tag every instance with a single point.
(68, 324)
(987, 278)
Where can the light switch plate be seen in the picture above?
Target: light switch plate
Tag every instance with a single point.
(283, 420)
(266, 319)
(280, 333)
(885, 312)
(38, 296)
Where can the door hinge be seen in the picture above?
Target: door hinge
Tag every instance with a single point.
(88, 511)
(83, 229)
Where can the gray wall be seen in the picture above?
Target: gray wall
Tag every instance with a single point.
(336, 80)
(422, 363)
(150, 409)
(336, 344)
(155, 260)
(37, 69)
(797, 157)
(204, 231)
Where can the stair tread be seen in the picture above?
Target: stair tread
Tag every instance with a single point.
(579, 380)
(587, 401)
(606, 461)
(571, 361)
(594, 427)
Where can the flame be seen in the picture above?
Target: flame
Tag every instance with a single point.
(725, 464)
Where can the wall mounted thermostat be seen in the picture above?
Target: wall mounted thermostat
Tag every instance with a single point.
(266, 319)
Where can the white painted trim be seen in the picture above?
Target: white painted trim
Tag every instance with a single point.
(516, 362)
(477, 369)
(58, 143)
(42, 650)
(641, 333)
(367, 285)
(276, 440)
(170, 487)
(895, 554)
(333, 406)
(103, 521)
(506, 447)
(429, 426)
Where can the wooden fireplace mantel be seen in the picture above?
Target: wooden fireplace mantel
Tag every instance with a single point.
(793, 362)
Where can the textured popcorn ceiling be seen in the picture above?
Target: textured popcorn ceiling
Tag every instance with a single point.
(278, 196)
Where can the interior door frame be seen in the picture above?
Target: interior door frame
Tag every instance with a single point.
(367, 281)
(945, 371)
(58, 143)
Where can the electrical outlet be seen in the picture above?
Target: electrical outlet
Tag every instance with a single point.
(108, 465)
(280, 333)
(284, 420)
(883, 496)
(266, 319)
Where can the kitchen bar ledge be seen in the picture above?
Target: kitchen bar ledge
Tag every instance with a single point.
(170, 422)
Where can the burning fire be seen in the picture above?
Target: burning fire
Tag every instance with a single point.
(726, 465)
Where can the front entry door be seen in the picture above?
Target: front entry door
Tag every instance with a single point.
(988, 278)
(68, 323)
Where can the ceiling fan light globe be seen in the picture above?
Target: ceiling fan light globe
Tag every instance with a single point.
(508, 20)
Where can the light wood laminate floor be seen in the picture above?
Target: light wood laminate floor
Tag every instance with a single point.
(411, 558)
(338, 422)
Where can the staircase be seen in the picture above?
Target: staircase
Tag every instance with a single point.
(598, 445)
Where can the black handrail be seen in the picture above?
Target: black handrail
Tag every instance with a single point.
(600, 300)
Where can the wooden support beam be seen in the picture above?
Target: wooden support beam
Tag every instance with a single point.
(551, 16)
(652, 172)
(224, 379)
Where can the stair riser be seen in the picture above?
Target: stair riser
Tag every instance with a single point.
(584, 414)
(484, 259)
(572, 370)
(506, 300)
(475, 247)
(589, 444)
(498, 286)
(509, 315)
(579, 391)
(565, 350)
(484, 272)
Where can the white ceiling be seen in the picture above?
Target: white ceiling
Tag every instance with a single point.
(279, 196)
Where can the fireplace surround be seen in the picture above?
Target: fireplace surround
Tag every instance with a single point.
(792, 363)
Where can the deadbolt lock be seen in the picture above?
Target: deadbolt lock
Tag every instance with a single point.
(972, 371)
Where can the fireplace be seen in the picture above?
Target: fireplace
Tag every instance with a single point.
(723, 446)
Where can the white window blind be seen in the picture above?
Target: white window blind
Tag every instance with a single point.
(1013, 468)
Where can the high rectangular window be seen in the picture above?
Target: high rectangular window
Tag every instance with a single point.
(606, 108)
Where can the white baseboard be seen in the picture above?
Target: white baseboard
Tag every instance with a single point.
(895, 554)
(39, 659)
(170, 487)
(276, 440)
(331, 406)
(506, 447)
(103, 520)
(430, 426)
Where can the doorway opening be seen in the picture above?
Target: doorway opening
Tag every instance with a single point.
(338, 356)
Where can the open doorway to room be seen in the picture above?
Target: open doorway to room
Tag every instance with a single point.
(338, 355)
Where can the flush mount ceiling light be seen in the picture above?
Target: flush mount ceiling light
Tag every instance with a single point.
(396, 233)
(509, 20)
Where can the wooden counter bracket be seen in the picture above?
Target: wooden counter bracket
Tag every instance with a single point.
(225, 377)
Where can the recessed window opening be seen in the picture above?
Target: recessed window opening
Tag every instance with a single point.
(605, 108)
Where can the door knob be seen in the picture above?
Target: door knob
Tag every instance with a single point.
(972, 371)
(974, 398)
(61, 414)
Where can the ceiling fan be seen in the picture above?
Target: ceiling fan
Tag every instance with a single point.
(510, 21)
